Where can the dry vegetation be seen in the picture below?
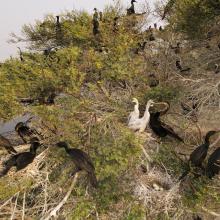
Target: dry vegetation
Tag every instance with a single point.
(137, 174)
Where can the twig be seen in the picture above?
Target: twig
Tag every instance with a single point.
(53, 213)
(23, 211)
(16, 201)
(211, 212)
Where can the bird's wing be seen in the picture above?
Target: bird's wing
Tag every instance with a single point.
(82, 159)
(198, 155)
(171, 132)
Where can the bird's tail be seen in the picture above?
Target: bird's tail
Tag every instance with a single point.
(176, 136)
(93, 179)
(7, 166)
(185, 70)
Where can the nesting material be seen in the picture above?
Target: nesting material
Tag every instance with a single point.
(158, 192)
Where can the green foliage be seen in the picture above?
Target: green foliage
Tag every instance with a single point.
(168, 93)
(194, 17)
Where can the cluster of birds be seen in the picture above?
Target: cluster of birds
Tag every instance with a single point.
(30, 136)
(161, 129)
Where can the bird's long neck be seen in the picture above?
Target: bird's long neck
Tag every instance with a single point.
(136, 107)
(207, 137)
(67, 149)
(33, 150)
(146, 113)
(207, 141)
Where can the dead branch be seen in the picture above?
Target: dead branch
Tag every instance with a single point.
(53, 213)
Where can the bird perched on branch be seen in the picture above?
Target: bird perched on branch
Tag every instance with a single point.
(21, 160)
(153, 80)
(177, 48)
(4, 142)
(160, 128)
(82, 162)
(140, 124)
(131, 10)
(136, 113)
(21, 54)
(217, 68)
(116, 24)
(213, 166)
(95, 22)
(199, 154)
(25, 132)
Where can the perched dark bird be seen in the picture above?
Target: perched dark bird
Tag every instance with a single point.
(217, 68)
(160, 128)
(153, 80)
(4, 142)
(82, 162)
(160, 28)
(177, 48)
(25, 132)
(152, 37)
(180, 68)
(21, 55)
(58, 30)
(95, 22)
(21, 160)
(116, 24)
(141, 47)
(155, 26)
(100, 16)
(213, 166)
(199, 154)
(58, 21)
(131, 10)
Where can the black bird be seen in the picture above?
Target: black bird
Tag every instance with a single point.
(180, 68)
(116, 24)
(25, 132)
(58, 21)
(4, 142)
(21, 54)
(213, 166)
(82, 162)
(95, 22)
(153, 80)
(131, 10)
(160, 128)
(21, 160)
(217, 68)
(199, 154)
(160, 28)
(141, 47)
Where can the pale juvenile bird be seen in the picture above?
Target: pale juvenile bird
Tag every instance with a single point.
(136, 113)
(140, 124)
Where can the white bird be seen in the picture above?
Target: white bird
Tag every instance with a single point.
(140, 124)
(136, 113)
